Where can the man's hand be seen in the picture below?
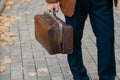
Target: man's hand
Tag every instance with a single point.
(52, 6)
(116, 2)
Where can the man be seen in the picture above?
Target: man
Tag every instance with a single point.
(101, 17)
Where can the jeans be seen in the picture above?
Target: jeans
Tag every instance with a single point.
(101, 17)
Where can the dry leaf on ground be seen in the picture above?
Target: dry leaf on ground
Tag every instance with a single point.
(6, 37)
(6, 60)
(8, 4)
(69, 73)
(42, 70)
(22, 68)
(10, 44)
(2, 69)
(6, 57)
(22, 42)
(32, 74)
(3, 44)
(26, 12)
(24, 0)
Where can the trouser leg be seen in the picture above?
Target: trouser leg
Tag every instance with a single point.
(101, 16)
(75, 59)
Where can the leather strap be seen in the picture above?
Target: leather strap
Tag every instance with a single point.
(53, 15)
(61, 32)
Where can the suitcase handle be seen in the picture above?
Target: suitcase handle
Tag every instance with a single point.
(51, 14)
(54, 13)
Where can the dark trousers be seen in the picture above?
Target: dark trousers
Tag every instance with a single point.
(101, 18)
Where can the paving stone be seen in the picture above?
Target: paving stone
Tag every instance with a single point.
(5, 77)
(32, 56)
(16, 75)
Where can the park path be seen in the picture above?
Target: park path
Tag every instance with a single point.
(28, 56)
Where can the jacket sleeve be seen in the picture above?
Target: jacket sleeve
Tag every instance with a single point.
(52, 1)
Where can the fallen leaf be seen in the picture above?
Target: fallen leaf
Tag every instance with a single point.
(69, 73)
(8, 4)
(3, 44)
(22, 68)
(7, 7)
(2, 69)
(42, 70)
(24, 0)
(27, 12)
(14, 38)
(6, 60)
(6, 21)
(32, 74)
(23, 42)
(6, 38)
(6, 57)
(10, 43)
(1, 23)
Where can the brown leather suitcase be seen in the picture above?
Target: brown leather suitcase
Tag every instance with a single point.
(53, 34)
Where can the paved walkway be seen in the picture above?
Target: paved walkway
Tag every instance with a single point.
(31, 57)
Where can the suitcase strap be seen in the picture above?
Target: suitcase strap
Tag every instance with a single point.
(53, 15)
(60, 27)
(61, 32)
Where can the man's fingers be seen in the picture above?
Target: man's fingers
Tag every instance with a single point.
(49, 7)
(52, 6)
(56, 7)
(116, 2)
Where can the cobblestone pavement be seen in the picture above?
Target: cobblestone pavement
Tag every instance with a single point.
(30, 57)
